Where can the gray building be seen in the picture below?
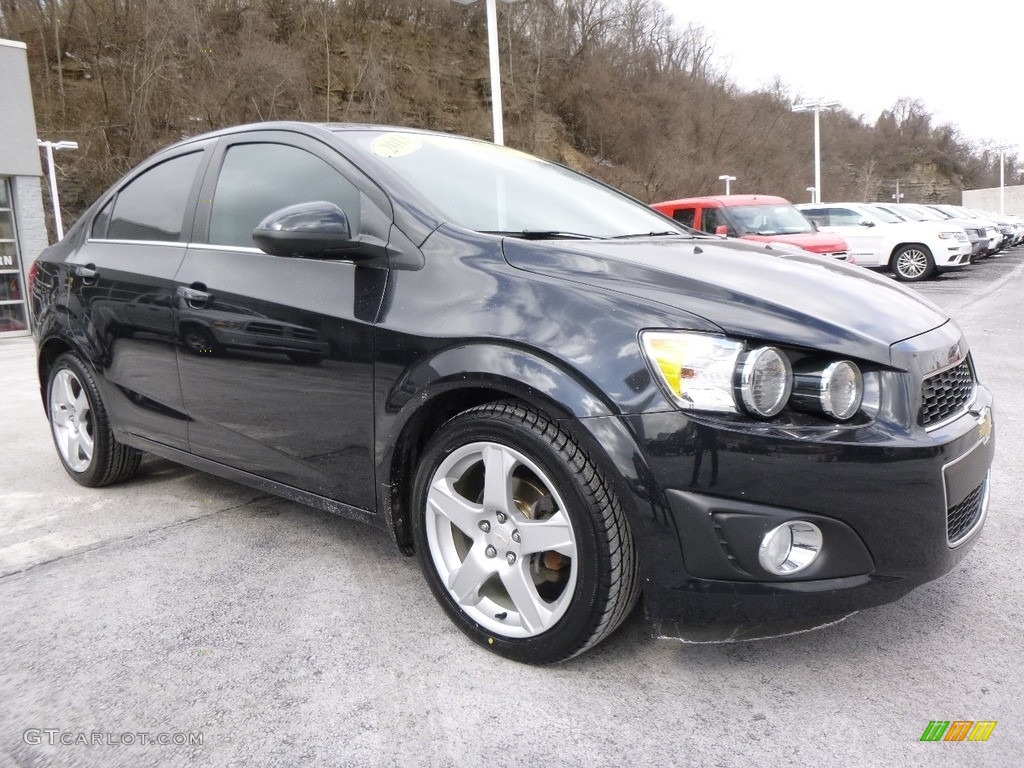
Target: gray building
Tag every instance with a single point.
(22, 221)
(988, 199)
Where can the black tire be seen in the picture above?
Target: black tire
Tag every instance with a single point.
(578, 593)
(912, 263)
(199, 340)
(80, 429)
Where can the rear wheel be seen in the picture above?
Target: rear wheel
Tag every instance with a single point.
(911, 263)
(520, 538)
(81, 432)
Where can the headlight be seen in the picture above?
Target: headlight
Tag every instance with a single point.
(706, 372)
(836, 390)
(765, 381)
(696, 369)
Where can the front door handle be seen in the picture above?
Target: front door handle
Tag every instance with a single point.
(195, 295)
(87, 272)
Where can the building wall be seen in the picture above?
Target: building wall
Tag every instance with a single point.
(19, 153)
(20, 163)
(29, 216)
(988, 199)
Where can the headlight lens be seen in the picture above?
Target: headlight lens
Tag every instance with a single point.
(706, 372)
(836, 390)
(696, 369)
(766, 380)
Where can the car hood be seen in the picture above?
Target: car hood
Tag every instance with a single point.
(816, 242)
(744, 290)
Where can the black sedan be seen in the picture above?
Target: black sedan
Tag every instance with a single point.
(557, 398)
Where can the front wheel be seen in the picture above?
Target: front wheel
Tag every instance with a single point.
(81, 432)
(912, 263)
(522, 541)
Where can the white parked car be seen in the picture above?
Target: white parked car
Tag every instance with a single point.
(913, 250)
(992, 229)
(976, 232)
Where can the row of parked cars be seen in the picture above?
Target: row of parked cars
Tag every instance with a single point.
(915, 241)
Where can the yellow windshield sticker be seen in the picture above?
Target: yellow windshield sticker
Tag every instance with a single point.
(395, 144)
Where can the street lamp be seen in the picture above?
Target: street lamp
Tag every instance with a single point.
(812, 190)
(726, 178)
(50, 146)
(816, 106)
(492, 51)
(1001, 148)
(898, 195)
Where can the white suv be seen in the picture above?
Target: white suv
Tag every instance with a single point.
(913, 250)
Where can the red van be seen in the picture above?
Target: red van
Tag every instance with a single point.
(764, 218)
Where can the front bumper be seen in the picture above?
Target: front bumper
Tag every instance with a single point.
(954, 256)
(881, 500)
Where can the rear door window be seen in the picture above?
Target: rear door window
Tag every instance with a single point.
(152, 206)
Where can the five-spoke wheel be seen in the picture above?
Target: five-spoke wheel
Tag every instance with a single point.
(78, 420)
(522, 541)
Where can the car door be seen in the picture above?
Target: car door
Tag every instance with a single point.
(276, 355)
(121, 281)
(866, 244)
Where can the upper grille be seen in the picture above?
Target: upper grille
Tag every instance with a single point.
(946, 393)
(961, 519)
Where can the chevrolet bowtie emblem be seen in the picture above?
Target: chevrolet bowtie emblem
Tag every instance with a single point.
(985, 425)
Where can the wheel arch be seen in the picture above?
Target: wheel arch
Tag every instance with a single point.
(48, 353)
(432, 392)
(900, 246)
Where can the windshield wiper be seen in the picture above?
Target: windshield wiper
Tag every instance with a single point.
(665, 233)
(539, 234)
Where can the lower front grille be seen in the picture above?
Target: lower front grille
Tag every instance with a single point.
(962, 518)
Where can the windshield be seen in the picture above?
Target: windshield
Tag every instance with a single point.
(927, 214)
(489, 188)
(882, 215)
(775, 219)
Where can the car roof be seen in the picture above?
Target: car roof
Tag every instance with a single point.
(306, 128)
(728, 200)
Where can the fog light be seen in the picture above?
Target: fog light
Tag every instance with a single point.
(790, 548)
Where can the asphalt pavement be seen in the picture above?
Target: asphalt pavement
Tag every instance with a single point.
(183, 620)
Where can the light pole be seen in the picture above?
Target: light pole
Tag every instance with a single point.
(726, 178)
(1001, 148)
(492, 52)
(898, 195)
(812, 190)
(58, 225)
(816, 106)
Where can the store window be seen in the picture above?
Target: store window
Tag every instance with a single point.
(13, 312)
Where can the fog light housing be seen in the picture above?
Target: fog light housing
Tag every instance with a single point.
(790, 548)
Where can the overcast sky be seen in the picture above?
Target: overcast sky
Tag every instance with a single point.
(964, 65)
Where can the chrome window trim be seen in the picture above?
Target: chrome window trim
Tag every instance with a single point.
(172, 243)
(242, 248)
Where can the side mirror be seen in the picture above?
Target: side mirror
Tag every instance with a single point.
(722, 230)
(867, 223)
(308, 230)
(814, 225)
